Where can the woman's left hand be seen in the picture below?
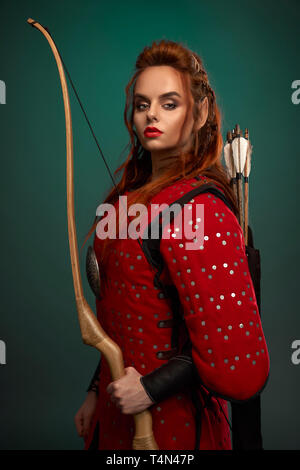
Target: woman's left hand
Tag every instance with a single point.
(128, 393)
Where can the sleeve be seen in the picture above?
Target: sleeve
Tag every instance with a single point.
(218, 298)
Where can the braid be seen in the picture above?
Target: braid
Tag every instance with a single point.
(208, 132)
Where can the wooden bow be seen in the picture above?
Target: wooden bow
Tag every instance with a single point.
(91, 330)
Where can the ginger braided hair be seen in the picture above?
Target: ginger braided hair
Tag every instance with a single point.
(209, 130)
(205, 157)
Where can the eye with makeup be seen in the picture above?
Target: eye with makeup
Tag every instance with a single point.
(137, 106)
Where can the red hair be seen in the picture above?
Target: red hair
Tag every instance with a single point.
(205, 157)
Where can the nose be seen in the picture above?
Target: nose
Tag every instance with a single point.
(152, 113)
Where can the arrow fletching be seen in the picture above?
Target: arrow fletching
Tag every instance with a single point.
(239, 144)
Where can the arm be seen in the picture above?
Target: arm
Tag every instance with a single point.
(219, 303)
(84, 415)
(170, 378)
(94, 383)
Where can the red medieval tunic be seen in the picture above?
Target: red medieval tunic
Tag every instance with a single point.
(220, 313)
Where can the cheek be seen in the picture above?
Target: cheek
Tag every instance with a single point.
(183, 124)
(175, 124)
(177, 119)
(137, 123)
(134, 122)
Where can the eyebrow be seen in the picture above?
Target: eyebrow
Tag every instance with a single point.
(164, 95)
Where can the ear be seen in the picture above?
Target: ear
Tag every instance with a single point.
(203, 113)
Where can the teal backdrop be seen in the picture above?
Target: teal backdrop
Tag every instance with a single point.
(251, 53)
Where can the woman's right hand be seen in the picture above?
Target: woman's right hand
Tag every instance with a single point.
(84, 415)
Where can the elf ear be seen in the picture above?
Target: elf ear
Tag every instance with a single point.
(203, 113)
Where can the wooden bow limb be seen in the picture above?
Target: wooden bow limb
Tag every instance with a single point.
(91, 330)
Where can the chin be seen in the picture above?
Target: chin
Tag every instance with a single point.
(154, 144)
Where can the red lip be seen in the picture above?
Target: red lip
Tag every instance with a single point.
(152, 130)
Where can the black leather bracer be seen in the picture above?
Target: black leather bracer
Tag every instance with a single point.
(170, 378)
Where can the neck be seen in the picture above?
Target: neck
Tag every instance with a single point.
(161, 163)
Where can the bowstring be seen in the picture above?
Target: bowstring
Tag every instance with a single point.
(93, 133)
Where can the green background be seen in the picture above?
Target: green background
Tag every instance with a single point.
(251, 53)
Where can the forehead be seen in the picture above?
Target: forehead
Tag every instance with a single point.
(156, 80)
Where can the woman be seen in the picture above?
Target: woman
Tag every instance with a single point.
(176, 144)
